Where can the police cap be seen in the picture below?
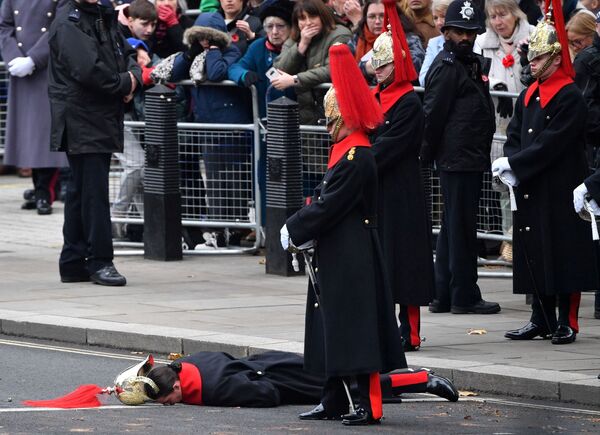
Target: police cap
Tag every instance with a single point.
(463, 14)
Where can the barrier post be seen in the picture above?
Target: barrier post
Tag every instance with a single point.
(284, 180)
(162, 197)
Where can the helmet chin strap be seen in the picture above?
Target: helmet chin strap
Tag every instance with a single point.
(383, 80)
(339, 122)
(545, 66)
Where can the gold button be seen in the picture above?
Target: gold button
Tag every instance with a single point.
(530, 131)
(526, 196)
(367, 221)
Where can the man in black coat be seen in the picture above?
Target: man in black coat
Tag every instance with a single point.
(265, 380)
(459, 127)
(404, 226)
(553, 256)
(92, 73)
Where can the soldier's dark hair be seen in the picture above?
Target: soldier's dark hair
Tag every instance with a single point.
(142, 10)
(164, 377)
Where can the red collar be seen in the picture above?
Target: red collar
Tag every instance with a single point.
(548, 88)
(191, 384)
(389, 95)
(338, 150)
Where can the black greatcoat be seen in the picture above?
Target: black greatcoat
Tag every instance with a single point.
(87, 80)
(404, 227)
(262, 380)
(354, 330)
(546, 150)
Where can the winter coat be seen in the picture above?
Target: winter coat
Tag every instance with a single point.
(216, 104)
(353, 329)
(239, 38)
(434, 46)
(546, 151)
(404, 228)
(88, 78)
(24, 28)
(312, 70)
(459, 114)
(587, 78)
(258, 58)
(172, 42)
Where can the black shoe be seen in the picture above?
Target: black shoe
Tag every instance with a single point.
(29, 205)
(441, 387)
(437, 307)
(481, 307)
(359, 418)
(108, 275)
(319, 413)
(597, 314)
(29, 195)
(528, 332)
(43, 207)
(74, 278)
(564, 335)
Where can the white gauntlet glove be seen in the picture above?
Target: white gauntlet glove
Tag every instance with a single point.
(21, 66)
(578, 197)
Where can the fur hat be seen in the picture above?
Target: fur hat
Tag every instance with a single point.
(280, 9)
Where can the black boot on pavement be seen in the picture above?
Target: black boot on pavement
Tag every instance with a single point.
(43, 207)
(481, 307)
(564, 335)
(319, 413)
(441, 387)
(528, 332)
(359, 418)
(437, 307)
(108, 275)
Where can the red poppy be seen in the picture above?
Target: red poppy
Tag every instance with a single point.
(235, 37)
(508, 61)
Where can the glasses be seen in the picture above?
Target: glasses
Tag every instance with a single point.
(375, 17)
(271, 27)
(577, 43)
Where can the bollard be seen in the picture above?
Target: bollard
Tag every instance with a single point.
(162, 198)
(284, 181)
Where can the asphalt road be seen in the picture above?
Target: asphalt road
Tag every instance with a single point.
(33, 369)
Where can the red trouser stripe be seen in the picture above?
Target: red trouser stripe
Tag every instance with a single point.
(375, 396)
(414, 319)
(574, 301)
(403, 379)
(52, 186)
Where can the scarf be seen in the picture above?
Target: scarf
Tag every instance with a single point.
(272, 47)
(161, 29)
(365, 43)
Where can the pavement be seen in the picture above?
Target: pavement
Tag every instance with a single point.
(228, 303)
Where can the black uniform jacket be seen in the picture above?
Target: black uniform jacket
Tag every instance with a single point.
(263, 380)
(404, 228)
(353, 330)
(88, 79)
(459, 114)
(546, 150)
(587, 78)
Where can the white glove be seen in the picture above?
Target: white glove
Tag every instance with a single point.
(21, 66)
(578, 197)
(284, 236)
(509, 177)
(594, 206)
(500, 165)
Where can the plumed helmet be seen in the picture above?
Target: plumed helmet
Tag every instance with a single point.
(383, 50)
(331, 106)
(463, 14)
(543, 40)
(129, 385)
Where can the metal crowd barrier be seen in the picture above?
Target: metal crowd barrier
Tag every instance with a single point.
(3, 104)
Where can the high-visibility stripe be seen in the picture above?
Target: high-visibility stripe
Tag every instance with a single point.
(414, 320)
(574, 301)
(375, 396)
(403, 379)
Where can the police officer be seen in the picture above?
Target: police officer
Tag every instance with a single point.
(404, 227)
(92, 73)
(553, 256)
(459, 127)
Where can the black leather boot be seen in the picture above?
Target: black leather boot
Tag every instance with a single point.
(319, 413)
(441, 387)
(361, 417)
(528, 332)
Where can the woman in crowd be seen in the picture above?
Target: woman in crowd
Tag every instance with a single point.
(506, 25)
(241, 26)
(436, 44)
(304, 59)
(172, 22)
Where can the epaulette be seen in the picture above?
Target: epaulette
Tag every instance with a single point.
(75, 15)
(448, 57)
(351, 153)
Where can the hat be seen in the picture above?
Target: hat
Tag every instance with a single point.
(280, 9)
(463, 14)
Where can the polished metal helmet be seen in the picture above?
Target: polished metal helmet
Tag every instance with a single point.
(383, 50)
(130, 384)
(332, 112)
(543, 40)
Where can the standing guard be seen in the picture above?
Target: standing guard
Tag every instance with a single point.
(554, 258)
(404, 225)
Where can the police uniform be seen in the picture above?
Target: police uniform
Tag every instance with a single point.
(88, 79)
(459, 128)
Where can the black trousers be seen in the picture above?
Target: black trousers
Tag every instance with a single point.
(335, 399)
(45, 181)
(87, 228)
(543, 311)
(456, 250)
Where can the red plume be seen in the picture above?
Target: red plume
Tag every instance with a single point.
(559, 24)
(358, 106)
(404, 70)
(85, 396)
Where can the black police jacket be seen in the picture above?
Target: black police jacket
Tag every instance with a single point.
(459, 114)
(88, 78)
(587, 78)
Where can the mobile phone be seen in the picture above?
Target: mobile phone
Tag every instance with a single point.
(272, 73)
